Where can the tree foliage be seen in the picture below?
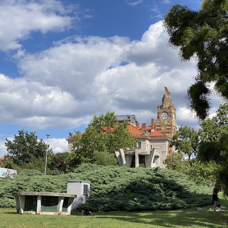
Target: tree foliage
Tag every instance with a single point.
(200, 173)
(203, 34)
(59, 162)
(214, 146)
(186, 140)
(102, 134)
(105, 158)
(25, 149)
(177, 162)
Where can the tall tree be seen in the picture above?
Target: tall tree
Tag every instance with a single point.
(102, 135)
(26, 148)
(186, 140)
(203, 34)
(200, 173)
(59, 162)
(214, 146)
(177, 162)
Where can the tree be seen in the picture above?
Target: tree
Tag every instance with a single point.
(186, 140)
(102, 134)
(213, 134)
(26, 148)
(200, 173)
(203, 34)
(177, 162)
(104, 158)
(59, 162)
(213, 145)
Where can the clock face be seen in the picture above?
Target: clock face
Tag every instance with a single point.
(164, 115)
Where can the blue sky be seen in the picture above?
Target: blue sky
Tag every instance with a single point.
(63, 61)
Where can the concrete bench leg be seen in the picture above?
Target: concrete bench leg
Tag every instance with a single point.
(60, 205)
(22, 204)
(38, 208)
(69, 208)
(17, 203)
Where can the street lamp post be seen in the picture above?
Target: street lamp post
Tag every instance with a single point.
(46, 155)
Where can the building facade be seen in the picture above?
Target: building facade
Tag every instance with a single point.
(153, 140)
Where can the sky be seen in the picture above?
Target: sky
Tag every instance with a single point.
(64, 61)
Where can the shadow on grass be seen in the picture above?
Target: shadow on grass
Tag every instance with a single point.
(10, 213)
(171, 218)
(185, 218)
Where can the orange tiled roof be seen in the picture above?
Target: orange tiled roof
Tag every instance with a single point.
(139, 131)
(104, 129)
(4, 158)
(147, 127)
(134, 130)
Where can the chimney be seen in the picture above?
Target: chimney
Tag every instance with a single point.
(152, 124)
(129, 119)
(143, 125)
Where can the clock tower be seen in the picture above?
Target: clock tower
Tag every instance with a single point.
(166, 116)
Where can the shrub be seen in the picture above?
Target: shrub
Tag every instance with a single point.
(117, 188)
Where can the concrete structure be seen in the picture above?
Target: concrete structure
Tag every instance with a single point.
(48, 203)
(81, 188)
(153, 140)
(152, 149)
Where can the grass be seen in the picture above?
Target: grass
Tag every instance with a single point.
(172, 218)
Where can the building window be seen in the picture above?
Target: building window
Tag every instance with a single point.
(85, 190)
(139, 145)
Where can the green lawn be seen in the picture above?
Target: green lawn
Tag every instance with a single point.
(173, 218)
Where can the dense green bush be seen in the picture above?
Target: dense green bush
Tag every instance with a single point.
(115, 188)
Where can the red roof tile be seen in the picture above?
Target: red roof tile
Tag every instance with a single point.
(139, 131)
(134, 130)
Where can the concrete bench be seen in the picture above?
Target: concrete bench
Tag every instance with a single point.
(48, 203)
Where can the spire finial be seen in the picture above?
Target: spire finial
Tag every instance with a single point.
(167, 91)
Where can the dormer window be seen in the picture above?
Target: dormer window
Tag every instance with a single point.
(139, 145)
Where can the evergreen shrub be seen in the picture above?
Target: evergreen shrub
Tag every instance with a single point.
(115, 188)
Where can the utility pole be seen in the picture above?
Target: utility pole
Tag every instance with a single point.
(46, 155)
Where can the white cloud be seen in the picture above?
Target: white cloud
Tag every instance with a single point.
(2, 148)
(65, 85)
(33, 104)
(134, 2)
(19, 18)
(166, 1)
(58, 145)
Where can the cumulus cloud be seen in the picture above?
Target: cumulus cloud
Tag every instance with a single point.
(20, 17)
(32, 104)
(58, 145)
(65, 85)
